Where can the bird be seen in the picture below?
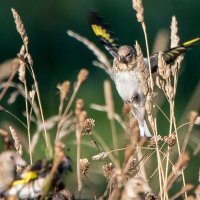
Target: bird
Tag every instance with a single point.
(125, 72)
(135, 189)
(8, 165)
(35, 179)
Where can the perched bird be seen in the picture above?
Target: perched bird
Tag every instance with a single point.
(135, 189)
(125, 68)
(8, 165)
(36, 179)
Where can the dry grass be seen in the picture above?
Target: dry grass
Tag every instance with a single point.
(140, 162)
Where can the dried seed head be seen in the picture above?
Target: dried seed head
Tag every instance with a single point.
(143, 70)
(138, 7)
(109, 100)
(63, 195)
(88, 126)
(170, 140)
(64, 89)
(17, 143)
(151, 196)
(22, 71)
(152, 142)
(20, 26)
(133, 169)
(163, 67)
(84, 166)
(174, 33)
(100, 156)
(108, 169)
(83, 74)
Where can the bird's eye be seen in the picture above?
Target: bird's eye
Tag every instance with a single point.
(129, 54)
(12, 157)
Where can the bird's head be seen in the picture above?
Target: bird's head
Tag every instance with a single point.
(126, 54)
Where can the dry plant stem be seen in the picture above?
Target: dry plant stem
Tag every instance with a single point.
(148, 54)
(141, 163)
(7, 111)
(48, 143)
(114, 136)
(59, 117)
(97, 52)
(22, 32)
(95, 143)
(78, 141)
(160, 169)
(186, 139)
(7, 84)
(68, 106)
(28, 122)
(106, 148)
(178, 194)
(179, 151)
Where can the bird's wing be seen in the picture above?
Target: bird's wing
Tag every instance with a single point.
(106, 37)
(171, 54)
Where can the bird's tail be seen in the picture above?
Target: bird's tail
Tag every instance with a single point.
(144, 130)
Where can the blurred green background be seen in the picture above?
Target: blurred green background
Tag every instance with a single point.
(58, 57)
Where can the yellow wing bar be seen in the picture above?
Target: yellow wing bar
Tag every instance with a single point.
(191, 42)
(100, 31)
(26, 177)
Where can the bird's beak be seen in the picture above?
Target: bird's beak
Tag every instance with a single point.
(122, 59)
(20, 161)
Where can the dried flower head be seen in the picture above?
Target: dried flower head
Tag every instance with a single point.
(17, 143)
(143, 70)
(174, 33)
(88, 126)
(151, 196)
(170, 140)
(152, 142)
(22, 71)
(83, 74)
(108, 169)
(63, 195)
(138, 7)
(20, 26)
(64, 89)
(84, 166)
(133, 168)
(100, 156)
